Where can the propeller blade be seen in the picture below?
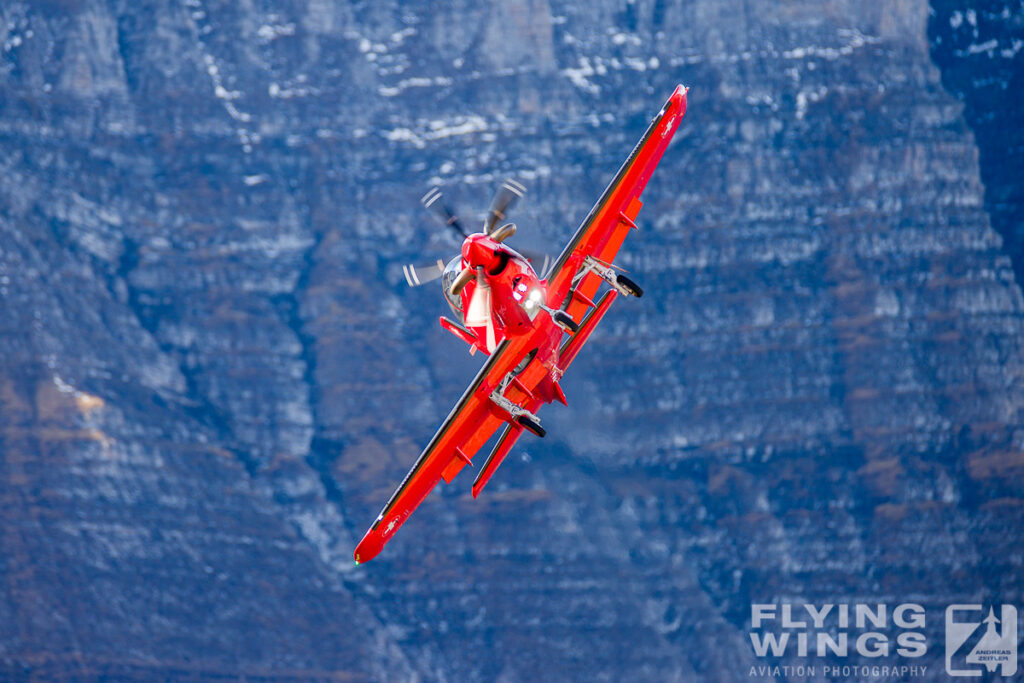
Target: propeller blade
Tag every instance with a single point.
(433, 202)
(461, 280)
(418, 275)
(539, 260)
(491, 338)
(479, 312)
(507, 195)
(504, 232)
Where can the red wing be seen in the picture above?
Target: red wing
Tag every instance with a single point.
(607, 224)
(469, 425)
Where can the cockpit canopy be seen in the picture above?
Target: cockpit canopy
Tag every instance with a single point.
(451, 271)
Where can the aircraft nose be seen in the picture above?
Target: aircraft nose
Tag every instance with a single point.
(478, 250)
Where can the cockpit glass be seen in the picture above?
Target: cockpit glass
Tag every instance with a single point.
(451, 271)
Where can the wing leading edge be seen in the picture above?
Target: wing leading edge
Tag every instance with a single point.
(606, 226)
(468, 426)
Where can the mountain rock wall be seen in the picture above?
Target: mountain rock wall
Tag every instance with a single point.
(212, 375)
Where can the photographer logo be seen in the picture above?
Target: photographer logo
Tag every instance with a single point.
(975, 642)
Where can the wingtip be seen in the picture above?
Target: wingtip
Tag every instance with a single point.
(368, 548)
(677, 100)
(680, 96)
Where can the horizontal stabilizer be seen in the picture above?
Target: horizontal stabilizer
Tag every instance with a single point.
(458, 330)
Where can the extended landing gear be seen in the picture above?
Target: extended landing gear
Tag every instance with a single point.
(531, 425)
(519, 415)
(560, 318)
(627, 286)
(620, 282)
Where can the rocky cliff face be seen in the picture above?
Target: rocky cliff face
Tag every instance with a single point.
(211, 378)
(980, 50)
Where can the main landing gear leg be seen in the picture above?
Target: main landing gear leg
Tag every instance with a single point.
(519, 415)
(620, 282)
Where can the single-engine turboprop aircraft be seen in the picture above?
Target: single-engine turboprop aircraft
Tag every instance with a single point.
(520, 320)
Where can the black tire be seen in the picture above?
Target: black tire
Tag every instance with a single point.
(565, 321)
(631, 287)
(531, 425)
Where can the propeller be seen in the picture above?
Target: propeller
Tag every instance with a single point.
(479, 312)
(419, 275)
(541, 261)
(461, 281)
(434, 202)
(508, 194)
(504, 232)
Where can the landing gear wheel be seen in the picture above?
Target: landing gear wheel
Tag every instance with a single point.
(632, 288)
(531, 425)
(565, 321)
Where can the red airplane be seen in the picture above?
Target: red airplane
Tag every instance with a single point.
(520, 320)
